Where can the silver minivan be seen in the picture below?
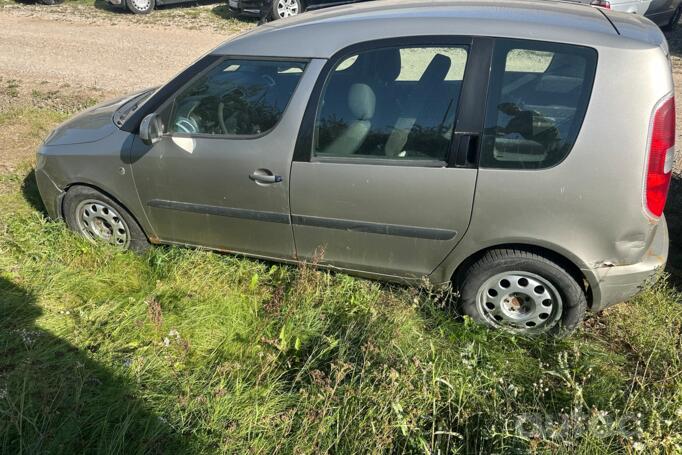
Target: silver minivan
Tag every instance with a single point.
(484, 144)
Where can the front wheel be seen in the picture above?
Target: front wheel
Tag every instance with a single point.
(140, 6)
(99, 218)
(522, 292)
(286, 8)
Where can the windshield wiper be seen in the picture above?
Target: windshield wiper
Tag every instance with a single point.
(124, 111)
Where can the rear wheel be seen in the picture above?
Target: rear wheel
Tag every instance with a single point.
(140, 6)
(99, 218)
(286, 8)
(523, 292)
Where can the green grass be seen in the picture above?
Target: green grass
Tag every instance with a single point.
(181, 351)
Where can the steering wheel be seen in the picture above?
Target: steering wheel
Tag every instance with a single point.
(186, 125)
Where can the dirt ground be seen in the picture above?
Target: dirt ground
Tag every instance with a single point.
(116, 58)
(69, 56)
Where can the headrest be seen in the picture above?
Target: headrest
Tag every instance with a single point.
(361, 101)
(381, 65)
(437, 69)
(566, 65)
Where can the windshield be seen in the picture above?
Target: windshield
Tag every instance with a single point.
(131, 106)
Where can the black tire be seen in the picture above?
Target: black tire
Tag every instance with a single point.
(275, 14)
(76, 195)
(50, 2)
(570, 308)
(141, 7)
(672, 24)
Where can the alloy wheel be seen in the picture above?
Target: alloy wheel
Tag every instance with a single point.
(141, 5)
(287, 8)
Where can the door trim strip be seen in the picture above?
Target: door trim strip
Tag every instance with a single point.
(258, 215)
(396, 230)
(368, 227)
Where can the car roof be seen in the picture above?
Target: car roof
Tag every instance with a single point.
(320, 34)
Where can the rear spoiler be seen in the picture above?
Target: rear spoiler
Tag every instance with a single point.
(636, 27)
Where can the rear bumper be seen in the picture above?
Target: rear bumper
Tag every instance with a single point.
(118, 3)
(250, 8)
(619, 283)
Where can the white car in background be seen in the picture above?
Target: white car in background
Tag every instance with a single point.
(664, 13)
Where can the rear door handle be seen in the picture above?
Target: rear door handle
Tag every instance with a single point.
(265, 176)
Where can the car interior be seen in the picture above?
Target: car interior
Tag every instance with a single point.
(370, 108)
(236, 98)
(536, 109)
(367, 110)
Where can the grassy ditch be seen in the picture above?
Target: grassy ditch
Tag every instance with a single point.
(190, 351)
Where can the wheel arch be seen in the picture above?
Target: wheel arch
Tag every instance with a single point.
(568, 264)
(151, 238)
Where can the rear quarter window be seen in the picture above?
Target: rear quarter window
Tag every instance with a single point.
(537, 101)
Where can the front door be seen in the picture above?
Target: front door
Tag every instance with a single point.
(384, 175)
(219, 177)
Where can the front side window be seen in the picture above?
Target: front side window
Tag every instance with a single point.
(536, 105)
(235, 98)
(395, 103)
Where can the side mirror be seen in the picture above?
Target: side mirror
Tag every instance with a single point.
(151, 129)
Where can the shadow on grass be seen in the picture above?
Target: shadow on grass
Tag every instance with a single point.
(223, 12)
(29, 189)
(101, 4)
(55, 399)
(46, 3)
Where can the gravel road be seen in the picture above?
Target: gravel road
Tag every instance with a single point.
(114, 58)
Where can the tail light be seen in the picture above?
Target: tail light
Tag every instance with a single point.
(601, 3)
(661, 157)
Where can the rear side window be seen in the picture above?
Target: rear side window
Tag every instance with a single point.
(536, 105)
(235, 98)
(396, 103)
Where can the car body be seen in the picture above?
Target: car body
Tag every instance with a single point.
(369, 147)
(143, 6)
(664, 13)
(282, 8)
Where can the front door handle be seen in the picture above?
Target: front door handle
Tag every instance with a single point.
(265, 176)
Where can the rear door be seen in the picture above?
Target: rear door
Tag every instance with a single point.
(385, 167)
